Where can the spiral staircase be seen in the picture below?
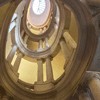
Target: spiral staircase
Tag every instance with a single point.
(51, 52)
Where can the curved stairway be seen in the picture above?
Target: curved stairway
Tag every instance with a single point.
(67, 32)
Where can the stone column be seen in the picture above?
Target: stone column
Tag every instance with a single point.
(25, 40)
(11, 54)
(46, 43)
(40, 85)
(40, 48)
(40, 71)
(49, 71)
(65, 49)
(69, 41)
(17, 62)
(94, 84)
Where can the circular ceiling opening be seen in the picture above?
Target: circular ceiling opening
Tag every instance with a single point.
(38, 6)
(38, 15)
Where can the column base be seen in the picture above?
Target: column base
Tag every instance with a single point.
(40, 87)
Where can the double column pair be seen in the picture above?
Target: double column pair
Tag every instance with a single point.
(40, 84)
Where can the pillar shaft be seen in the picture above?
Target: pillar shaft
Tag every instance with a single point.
(46, 43)
(11, 54)
(69, 41)
(40, 71)
(65, 49)
(17, 62)
(26, 39)
(49, 71)
(22, 33)
(40, 45)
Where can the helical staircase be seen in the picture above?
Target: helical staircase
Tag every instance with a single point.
(61, 39)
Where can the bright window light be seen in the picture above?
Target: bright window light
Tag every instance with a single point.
(39, 6)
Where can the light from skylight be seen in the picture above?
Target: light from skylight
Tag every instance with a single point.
(39, 6)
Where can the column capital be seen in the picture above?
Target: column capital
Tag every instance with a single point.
(49, 57)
